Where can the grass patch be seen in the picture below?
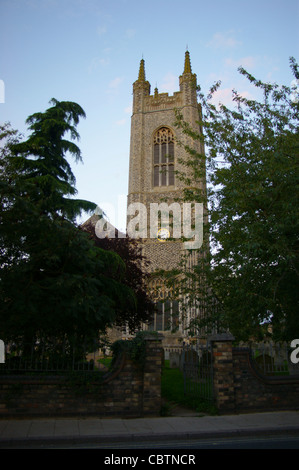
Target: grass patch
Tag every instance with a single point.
(172, 390)
(106, 361)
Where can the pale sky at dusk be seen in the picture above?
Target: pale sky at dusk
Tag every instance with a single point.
(88, 51)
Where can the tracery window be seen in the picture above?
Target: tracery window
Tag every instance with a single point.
(164, 157)
(166, 315)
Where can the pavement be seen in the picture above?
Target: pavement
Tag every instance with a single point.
(185, 425)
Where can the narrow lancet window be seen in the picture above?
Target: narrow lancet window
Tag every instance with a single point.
(164, 157)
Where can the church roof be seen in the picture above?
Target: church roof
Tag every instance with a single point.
(92, 221)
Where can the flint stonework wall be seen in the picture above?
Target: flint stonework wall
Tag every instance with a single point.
(150, 112)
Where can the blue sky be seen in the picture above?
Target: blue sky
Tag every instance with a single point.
(88, 51)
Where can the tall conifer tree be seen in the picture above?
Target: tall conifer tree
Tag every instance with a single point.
(54, 281)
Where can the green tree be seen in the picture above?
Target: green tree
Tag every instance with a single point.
(42, 160)
(252, 165)
(54, 281)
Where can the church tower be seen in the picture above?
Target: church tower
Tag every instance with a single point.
(156, 156)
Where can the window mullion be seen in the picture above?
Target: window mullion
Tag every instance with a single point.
(160, 162)
(167, 163)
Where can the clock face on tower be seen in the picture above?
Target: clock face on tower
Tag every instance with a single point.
(163, 234)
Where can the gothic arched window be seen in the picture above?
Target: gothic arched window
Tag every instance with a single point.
(166, 315)
(163, 157)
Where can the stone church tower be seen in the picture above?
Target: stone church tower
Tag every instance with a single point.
(155, 162)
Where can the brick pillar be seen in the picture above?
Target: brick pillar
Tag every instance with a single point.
(223, 374)
(152, 376)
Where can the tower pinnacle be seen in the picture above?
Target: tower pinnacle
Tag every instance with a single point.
(187, 67)
(141, 88)
(141, 76)
(188, 82)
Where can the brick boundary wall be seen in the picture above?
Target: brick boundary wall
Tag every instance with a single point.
(129, 391)
(240, 387)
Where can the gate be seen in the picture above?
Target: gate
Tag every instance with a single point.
(198, 371)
